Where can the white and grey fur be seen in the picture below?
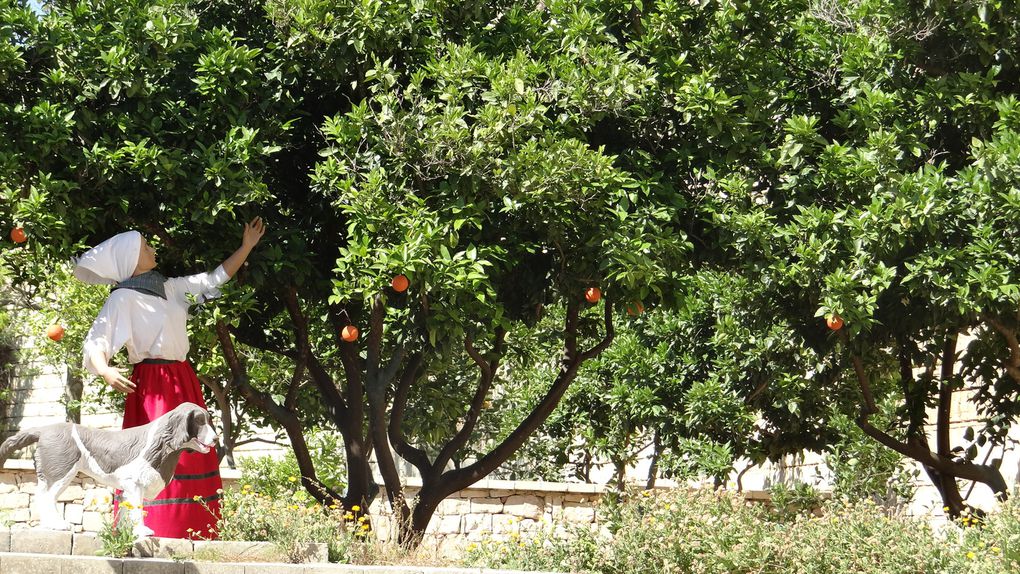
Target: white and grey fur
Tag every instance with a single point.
(140, 460)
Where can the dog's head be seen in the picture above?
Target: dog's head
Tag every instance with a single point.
(190, 429)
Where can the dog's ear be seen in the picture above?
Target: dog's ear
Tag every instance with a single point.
(178, 428)
(196, 418)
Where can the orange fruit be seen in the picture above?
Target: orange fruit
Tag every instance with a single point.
(835, 322)
(592, 294)
(18, 235)
(349, 333)
(55, 332)
(635, 308)
(400, 283)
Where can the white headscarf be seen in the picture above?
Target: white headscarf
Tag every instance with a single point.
(110, 262)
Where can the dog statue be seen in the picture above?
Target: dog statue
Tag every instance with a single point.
(140, 461)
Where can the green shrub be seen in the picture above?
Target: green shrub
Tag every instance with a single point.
(271, 505)
(705, 532)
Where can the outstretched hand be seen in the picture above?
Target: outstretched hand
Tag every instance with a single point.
(116, 379)
(253, 232)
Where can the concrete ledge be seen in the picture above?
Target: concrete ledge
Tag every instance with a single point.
(15, 563)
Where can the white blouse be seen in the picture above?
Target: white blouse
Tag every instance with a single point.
(149, 326)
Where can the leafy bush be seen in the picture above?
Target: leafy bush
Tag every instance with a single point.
(706, 532)
(272, 506)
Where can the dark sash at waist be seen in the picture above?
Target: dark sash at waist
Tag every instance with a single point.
(158, 361)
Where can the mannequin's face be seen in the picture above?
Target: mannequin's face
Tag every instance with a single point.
(146, 258)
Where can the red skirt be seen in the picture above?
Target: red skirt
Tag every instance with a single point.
(175, 513)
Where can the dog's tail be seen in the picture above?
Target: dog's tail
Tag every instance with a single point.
(17, 442)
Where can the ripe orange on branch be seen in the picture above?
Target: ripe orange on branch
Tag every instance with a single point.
(55, 332)
(400, 283)
(835, 322)
(635, 308)
(18, 235)
(349, 333)
(592, 295)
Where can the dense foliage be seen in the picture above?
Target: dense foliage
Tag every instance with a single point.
(743, 170)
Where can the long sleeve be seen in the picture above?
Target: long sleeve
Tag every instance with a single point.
(202, 285)
(110, 331)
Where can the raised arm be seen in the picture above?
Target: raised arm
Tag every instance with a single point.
(250, 238)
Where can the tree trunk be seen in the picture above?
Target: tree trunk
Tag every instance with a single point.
(438, 483)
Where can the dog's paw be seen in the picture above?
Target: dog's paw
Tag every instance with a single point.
(142, 531)
(55, 525)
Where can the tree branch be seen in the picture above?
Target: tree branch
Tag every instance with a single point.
(414, 455)
(287, 419)
(487, 372)
(862, 376)
(608, 339)
(303, 347)
(1012, 364)
(945, 407)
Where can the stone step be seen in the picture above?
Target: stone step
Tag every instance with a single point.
(21, 563)
(54, 552)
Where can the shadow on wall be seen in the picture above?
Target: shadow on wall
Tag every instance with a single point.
(11, 410)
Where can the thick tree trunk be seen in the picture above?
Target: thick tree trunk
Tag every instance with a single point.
(438, 483)
(940, 466)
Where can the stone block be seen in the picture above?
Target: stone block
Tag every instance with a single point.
(500, 493)
(335, 569)
(479, 524)
(73, 493)
(41, 542)
(525, 506)
(213, 568)
(85, 544)
(30, 564)
(486, 506)
(5, 540)
(20, 515)
(73, 513)
(167, 548)
(505, 524)
(577, 513)
(317, 552)
(444, 525)
(92, 521)
(583, 488)
(15, 500)
(91, 565)
(274, 568)
(152, 566)
(221, 550)
(454, 506)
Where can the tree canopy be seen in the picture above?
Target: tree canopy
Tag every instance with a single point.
(745, 170)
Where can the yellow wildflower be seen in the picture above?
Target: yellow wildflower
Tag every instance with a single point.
(292, 479)
(970, 555)
(355, 508)
(196, 498)
(333, 506)
(365, 527)
(996, 549)
(362, 518)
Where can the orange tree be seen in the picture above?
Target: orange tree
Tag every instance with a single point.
(890, 201)
(377, 139)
